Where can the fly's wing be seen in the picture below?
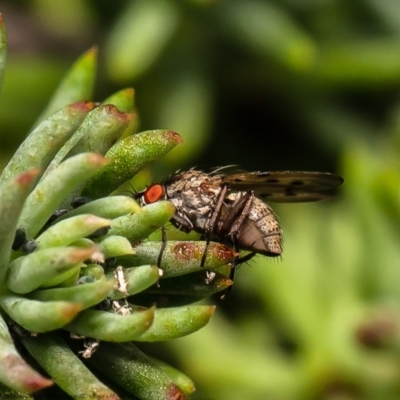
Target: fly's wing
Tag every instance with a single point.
(286, 186)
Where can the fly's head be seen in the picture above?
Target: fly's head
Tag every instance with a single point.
(193, 193)
(157, 192)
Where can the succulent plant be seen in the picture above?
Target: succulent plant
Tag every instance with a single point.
(79, 283)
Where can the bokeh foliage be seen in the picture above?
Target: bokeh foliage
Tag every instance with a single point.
(267, 85)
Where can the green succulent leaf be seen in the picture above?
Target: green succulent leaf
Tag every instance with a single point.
(114, 246)
(174, 322)
(87, 294)
(128, 156)
(37, 316)
(15, 373)
(179, 257)
(103, 325)
(104, 125)
(201, 284)
(180, 379)
(69, 230)
(135, 280)
(58, 360)
(77, 85)
(45, 267)
(124, 100)
(13, 194)
(107, 207)
(126, 365)
(53, 189)
(92, 271)
(140, 225)
(43, 143)
(98, 132)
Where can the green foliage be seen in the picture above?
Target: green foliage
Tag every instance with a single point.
(56, 273)
(269, 84)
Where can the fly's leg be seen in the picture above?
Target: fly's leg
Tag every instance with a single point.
(211, 224)
(247, 200)
(203, 258)
(245, 258)
(235, 264)
(163, 245)
(228, 290)
(232, 272)
(231, 227)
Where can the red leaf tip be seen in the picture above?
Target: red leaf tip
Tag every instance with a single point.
(26, 178)
(83, 105)
(175, 137)
(174, 393)
(111, 109)
(23, 375)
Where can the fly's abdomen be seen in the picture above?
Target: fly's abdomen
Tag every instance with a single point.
(260, 231)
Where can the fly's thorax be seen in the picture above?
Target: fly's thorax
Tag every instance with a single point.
(191, 180)
(194, 194)
(260, 230)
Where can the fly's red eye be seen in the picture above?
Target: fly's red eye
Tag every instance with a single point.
(153, 193)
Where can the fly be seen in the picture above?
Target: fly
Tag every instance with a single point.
(231, 208)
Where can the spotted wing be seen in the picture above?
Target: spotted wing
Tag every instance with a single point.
(286, 186)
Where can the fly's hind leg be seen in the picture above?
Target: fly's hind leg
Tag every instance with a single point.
(232, 272)
(235, 264)
(241, 209)
(245, 258)
(231, 228)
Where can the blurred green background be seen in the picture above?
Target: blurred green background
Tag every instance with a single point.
(267, 85)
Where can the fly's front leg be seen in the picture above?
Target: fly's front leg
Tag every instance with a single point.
(179, 221)
(163, 245)
(211, 224)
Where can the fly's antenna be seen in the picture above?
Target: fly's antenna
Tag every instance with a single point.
(137, 194)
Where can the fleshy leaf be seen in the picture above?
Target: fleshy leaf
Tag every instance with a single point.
(180, 379)
(126, 365)
(103, 325)
(201, 284)
(140, 225)
(179, 257)
(124, 100)
(114, 246)
(53, 354)
(53, 189)
(37, 316)
(27, 273)
(107, 207)
(43, 143)
(77, 85)
(174, 322)
(87, 294)
(69, 230)
(135, 280)
(128, 156)
(12, 197)
(15, 373)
